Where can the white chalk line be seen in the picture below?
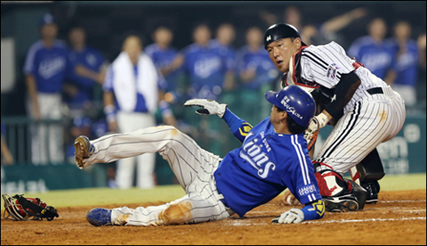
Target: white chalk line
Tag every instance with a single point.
(402, 201)
(362, 220)
(249, 223)
(389, 210)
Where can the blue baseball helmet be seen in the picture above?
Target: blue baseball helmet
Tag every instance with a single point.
(298, 103)
(46, 19)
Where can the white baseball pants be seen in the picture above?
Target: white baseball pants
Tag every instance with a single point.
(375, 119)
(192, 165)
(128, 122)
(47, 141)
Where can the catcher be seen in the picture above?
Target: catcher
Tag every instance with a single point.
(362, 108)
(273, 156)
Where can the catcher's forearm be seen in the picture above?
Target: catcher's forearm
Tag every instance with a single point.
(238, 127)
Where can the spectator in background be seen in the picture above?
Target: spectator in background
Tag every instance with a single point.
(318, 33)
(204, 66)
(85, 70)
(256, 73)
(44, 69)
(167, 60)
(374, 53)
(130, 99)
(225, 35)
(421, 42)
(328, 31)
(406, 63)
(7, 157)
(291, 15)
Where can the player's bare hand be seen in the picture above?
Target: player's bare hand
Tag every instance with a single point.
(422, 41)
(289, 199)
(209, 107)
(169, 120)
(113, 126)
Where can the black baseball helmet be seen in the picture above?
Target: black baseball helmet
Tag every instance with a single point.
(278, 31)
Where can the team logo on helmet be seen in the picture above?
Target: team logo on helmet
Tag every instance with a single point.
(290, 109)
(268, 38)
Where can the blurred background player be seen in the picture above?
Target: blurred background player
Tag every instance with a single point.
(7, 157)
(223, 43)
(205, 70)
(407, 62)
(168, 62)
(204, 66)
(316, 33)
(257, 75)
(131, 98)
(166, 59)
(84, 73)
(45, 68)
(374, 53)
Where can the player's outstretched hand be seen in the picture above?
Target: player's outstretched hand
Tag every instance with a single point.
(209, 107)
(293, 216)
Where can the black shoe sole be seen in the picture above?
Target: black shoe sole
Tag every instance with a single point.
(371, 201)
(341, 206)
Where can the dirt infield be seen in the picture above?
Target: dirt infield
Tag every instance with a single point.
(399, 218)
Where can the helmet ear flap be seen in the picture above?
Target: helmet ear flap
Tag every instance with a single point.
(13, 210)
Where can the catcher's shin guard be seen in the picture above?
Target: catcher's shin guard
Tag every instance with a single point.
(369, 171)
(338, 193)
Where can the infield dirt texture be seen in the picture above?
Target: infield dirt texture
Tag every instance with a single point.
(399, 218)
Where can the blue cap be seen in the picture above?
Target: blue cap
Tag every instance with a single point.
(47, 19)
(298, 103)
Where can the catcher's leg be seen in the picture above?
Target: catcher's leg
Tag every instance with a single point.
(339, 194)
(367, 173)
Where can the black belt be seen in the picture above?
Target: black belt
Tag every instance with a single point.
(376, 90)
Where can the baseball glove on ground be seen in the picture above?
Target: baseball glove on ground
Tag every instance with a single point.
(18, 207)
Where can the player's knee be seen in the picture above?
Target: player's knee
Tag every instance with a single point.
(177, 214)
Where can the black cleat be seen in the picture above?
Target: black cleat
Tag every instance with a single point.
(345, 203)
(373, 188)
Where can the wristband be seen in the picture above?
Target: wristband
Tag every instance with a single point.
(322, 119)
(110, 112)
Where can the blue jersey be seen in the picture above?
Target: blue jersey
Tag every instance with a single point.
(377, 57)
(206, 69)
(265, 71)
(161, 59)
(265, 165)
(227, 52)
(90, 59)
(47, 65)
(406, 66)
(3, 128)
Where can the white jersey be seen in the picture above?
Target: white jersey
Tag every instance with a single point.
(374, 114)
(324, 65)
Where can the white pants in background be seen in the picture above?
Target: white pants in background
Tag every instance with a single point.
(193, 167)
(407, 92)
(128, 122)
(47, 140)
